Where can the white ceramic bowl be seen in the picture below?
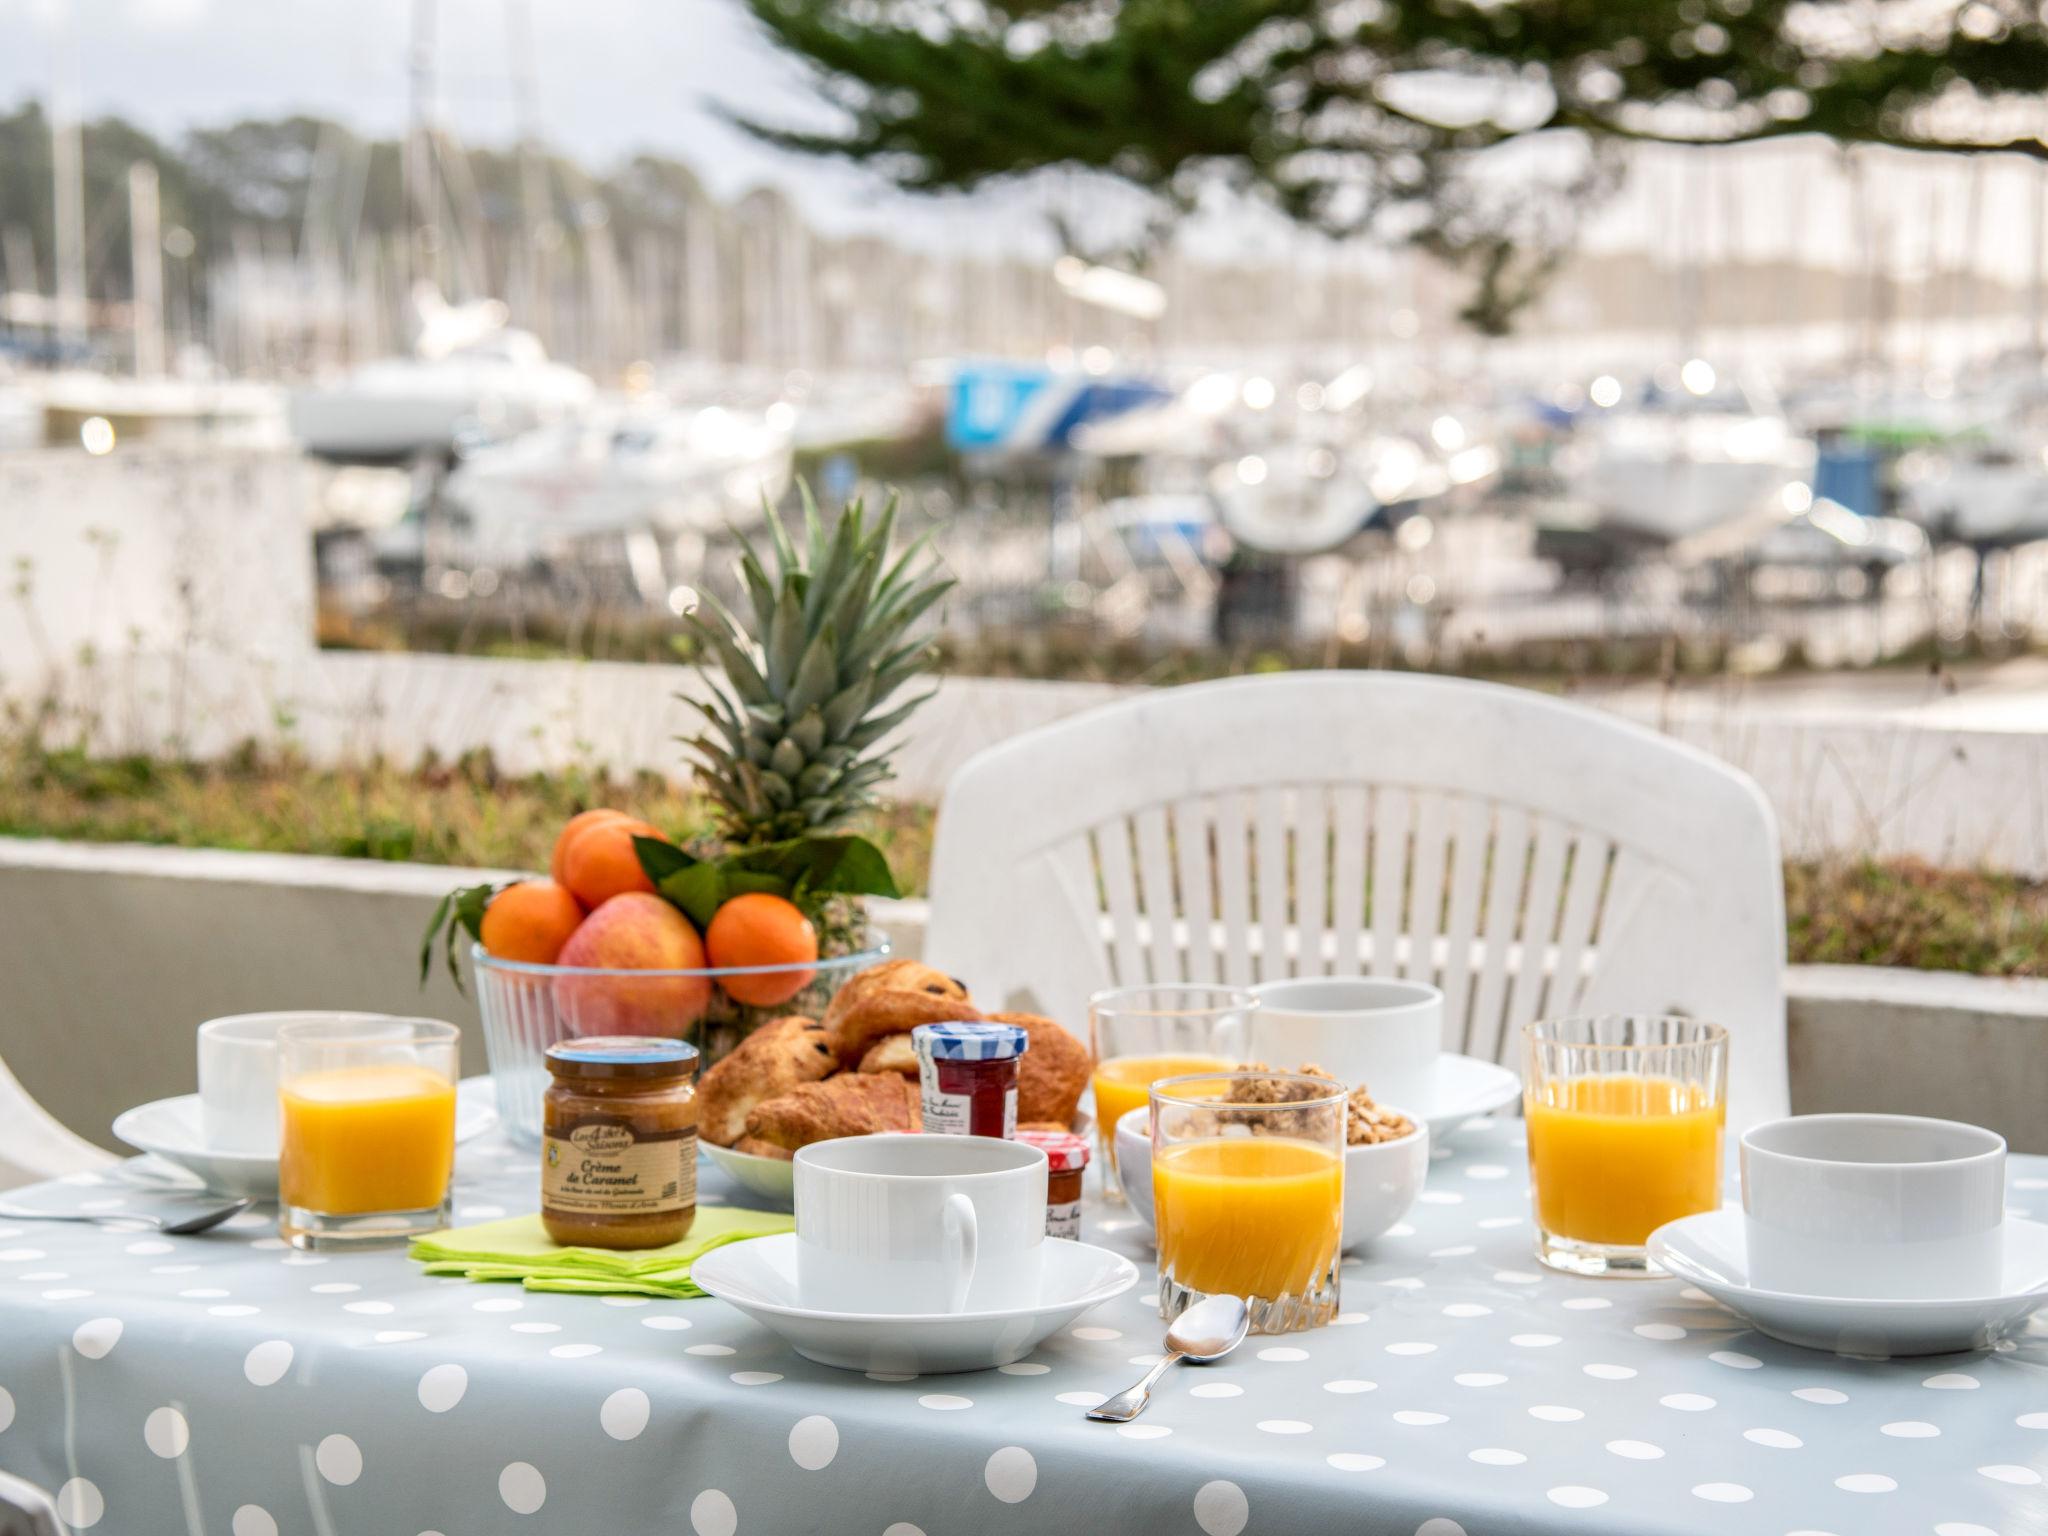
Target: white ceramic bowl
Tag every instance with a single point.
(1380, 1181)
(771, 1179)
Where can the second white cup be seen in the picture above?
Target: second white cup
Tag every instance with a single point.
(1383, 1033)
(913, 1224)
(1889, 1206)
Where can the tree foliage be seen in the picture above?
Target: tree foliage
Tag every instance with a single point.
(1398, 116)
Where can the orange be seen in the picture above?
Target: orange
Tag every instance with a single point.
(530, 921)
(567, 835)
(760, 929)
(600, 862)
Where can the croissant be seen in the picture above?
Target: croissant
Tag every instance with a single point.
(851, 1104)
(782, 1054)
(1054, 1070)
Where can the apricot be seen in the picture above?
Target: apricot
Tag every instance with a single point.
(634, 931)
(530, 921)
(762, 929)
(600, 861)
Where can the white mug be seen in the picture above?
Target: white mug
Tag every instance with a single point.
(238, 1077)
(1383, 1033)
(919, 1224)
(1888, 1206)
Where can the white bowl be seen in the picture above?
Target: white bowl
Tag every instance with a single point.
(1381, 1181)
(771, 1179)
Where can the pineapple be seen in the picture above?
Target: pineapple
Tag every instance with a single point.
(789, 749)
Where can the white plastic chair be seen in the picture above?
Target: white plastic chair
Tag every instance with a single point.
(1530, 857)
(34, 1144)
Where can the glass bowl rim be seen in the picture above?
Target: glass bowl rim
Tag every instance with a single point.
(877, 951)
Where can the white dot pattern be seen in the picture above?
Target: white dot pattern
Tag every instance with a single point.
(1467, 1381)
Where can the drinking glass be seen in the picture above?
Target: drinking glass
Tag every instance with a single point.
(1142, 1034)
(1248, 1194)
(1625, 1114)
(368, 1144)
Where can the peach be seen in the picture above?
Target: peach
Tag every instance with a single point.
(635, 931)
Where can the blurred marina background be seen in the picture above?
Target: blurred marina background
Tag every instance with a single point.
(481, 327)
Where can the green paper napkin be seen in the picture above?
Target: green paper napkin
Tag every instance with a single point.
(517, 1248)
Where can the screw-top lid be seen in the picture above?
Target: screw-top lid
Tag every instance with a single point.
(969, 1042)
(622, 1056)
(1065, 1151)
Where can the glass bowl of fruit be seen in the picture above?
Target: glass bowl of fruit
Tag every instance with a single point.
(761, 912)
(527, 1006)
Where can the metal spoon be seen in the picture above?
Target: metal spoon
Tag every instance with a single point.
(171, 1226)
(1208, 1330)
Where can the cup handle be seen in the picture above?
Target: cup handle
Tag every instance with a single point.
(962, 1240)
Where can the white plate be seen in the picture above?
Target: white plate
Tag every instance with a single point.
(1381, 1181)
(759, 1277)
(170, 1129)
(772, 1179)
(1465, 1088)
(1709, 1251)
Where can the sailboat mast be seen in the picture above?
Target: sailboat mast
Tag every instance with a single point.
(67, 167)
(146, 259)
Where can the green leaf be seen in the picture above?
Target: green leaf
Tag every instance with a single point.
(818, 677)
(660, 859)
(460, 911)
(696, 889)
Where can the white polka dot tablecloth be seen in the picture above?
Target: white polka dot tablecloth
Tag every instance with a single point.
(224, 1383)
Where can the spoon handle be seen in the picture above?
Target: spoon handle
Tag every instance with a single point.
(1130, 1402)
(96, 1217)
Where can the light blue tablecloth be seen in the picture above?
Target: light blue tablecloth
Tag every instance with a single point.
(223, 1384)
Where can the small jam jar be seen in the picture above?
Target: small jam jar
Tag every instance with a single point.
(619, 1142)
(1067, 1158)
(969, 1077)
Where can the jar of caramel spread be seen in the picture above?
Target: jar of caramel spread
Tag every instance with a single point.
(618, 1165)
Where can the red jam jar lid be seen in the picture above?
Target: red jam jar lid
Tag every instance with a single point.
(1065, 1151)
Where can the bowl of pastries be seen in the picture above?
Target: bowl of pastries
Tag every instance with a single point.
(1386, 1159)
(797, 1080)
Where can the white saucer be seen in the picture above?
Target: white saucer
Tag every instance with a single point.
(759, 1277)
(170, 1129)
(772, 1179)
(1465, 1088)
(1709, 1251)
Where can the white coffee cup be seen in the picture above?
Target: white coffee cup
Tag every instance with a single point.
(1888, 1206)
(238, 1077)
(1383, 1033)
(919, 1224)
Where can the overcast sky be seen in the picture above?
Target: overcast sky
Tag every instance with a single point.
(614, 76)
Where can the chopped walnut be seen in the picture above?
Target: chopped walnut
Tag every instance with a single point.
(1365, 1122)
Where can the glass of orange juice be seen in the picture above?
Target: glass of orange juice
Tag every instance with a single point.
(1625, 1116)
(1248, 1194)
(1143, 1034)
(367, 1143)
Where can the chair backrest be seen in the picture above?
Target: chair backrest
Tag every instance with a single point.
(1530, 857)
(34, 1144)
(25, 1510)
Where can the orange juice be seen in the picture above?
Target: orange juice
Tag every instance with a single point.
(1257, 1216)
(1615, 1156)
(1124, 1083)
(363, 1140)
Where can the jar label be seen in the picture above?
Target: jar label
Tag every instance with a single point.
(952, 1114)
(1063, 1218)
(605, 1168)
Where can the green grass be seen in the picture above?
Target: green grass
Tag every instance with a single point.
(468, 814)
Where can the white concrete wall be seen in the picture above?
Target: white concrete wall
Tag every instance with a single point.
(112, 955)
(150, 552)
